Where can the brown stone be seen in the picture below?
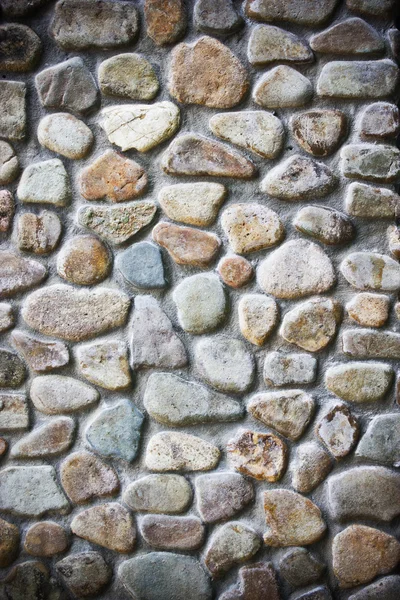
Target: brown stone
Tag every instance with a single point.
(9, 543)
(257, 581)
(6, 210)
(235, 271)
(14, 414)
(187, 246)
(38, 233)
(172, 533)
(84, 476)
(20, 47)
(3, 447)
(26, 580)
(319, 132)
(352, 36)
(83, 260)
(259, 455)
(51, 439)
(301, 12)
(108, 525)
(41, 356)
(338, 430)
(165, 20)
(46, 539)
(311, 466)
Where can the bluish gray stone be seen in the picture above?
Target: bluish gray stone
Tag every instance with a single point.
(387, 588)
(319, 593)
(299, 567)
(141, 265)
(381, 441)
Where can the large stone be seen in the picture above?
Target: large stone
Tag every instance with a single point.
(7, 209)
(387, 588)
(18, 274)
(141, 265)
(109, 525)
(6, 316)
(369, 310)
(217, 16)
(12, 369)
(302, 13)
(381, 441)
(51, 439)
(231, 544)
(257, 581)
(373, 163)
(319, 132)
(9, 163)
(251, 227)
(187, 246)
(338, 429)
(367, 343)
(371, 202)
(169, 494)
(326, 225)
(41, 356)
(195, 203)
(128, 75)
(259, 455)
(201, 303)
(380, 120)
(173, 451)
(172, 533)
(358, 79)
(311, 466)
(46, 539)
(352, 36)
(359, 381)
(66, 135)
(57, 394)
(45, 182)
(20, 47)
(9, 543)
(84, 477)
(235, 271)
(282, 87)
(258, 315)
(13, 115)
(300, 568)
(166, 20)
(14, 412)
(84, 573)
(289, 369)
(105, 364)
(268, 44)
(222, 495)
(370, 270)
(40, 233)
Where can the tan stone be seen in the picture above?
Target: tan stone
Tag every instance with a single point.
(14, 413)
(231, 544)
(301, 12)
(9, 543)
(251, 227)
(319, 132)
(268, 43)
(18, 274)
(310, 467)
(84, 477)
(83, 260)
(235, 271)
(109, 525)
(187, 246)
(351, 36)
(9, 164)
(51, 439)
(165, 20)
(369, 310)
(259, 455)
(258, 316)
(128, 75)
(105, 364)
(38, 233)
(195, 203)
(6, 210)
(173, 451)
(393, 237)
(46, 539)
(172, 533)
(282, 87)
(41, 356)
(359, 381)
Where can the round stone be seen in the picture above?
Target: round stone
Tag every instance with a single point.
(66, 135)
(168, 494)
(109, 525)
(83, 260)
(84, 573)
(46, 539)
(231, 544)
(20, 47)
(128, 76)
(235, 271)
(201, 303)
(84, 477)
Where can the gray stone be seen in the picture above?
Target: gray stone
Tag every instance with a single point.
(251, 227)
(105, 364)
(166, 20)
(300, 568)
(84, 477)
(57, 394)
(9, 163)
(326, 225)
(51, 439)
(20, 8)
(6, 316)
(387, 588)
(381, 441)
(289, 369)
(109, 525)
(371, 202)
(13, 114)
(358, 381)
(141, 265)
(311, 466)
(282, 87)
(358, 79)
(7, 209)
(217, 16)
(319, 132)
(172, 533)
(371, 271)
(222, 495)
(186, 245)
(366, 343)
(84, 573)
(393, 37)
(201, 303)
(259, 455)
(173, 451)
(26, 580)
(370, 7)
(128, 75)
(195, 203)
(14, 412)
(45, 182)
(231, 544)
(18, 274)
(338, 429)
(64, 134)
(293, 11)
(316, 593)
(371, 162)
(38, 233)
(268, 43)
(12, 369)
(257, 581)
(20, 47)
(369, 310)
(352, 36)
(380, 120)
(169, 494)
(258, 316)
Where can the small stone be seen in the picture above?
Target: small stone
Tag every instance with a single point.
(371, 202)
(172, 533)
(371, 162)
(68, 85)
(259, 455)
(51, 439)
(201, 303)
(288, 412)
(173, 451)
(84, 477)
(387, 588)
(300, 568)
(9, 164)
(9, 543)
(351, 36)
(12, 370)
(40, 356)
(128, 75)
(217, 16)
(319, 132)
(370, 270)
(20, 47)
(380, 120)
(289, 369)
(169, 494)
(360, 553)
(166, 20)
(66, 135)
(282, 87)
(327, 225)
(251, 227)
(195, 203)
(370, 7)
(292, 520)
(108, 525)
(393, 238)
(268, 44)
(222, 495)
(115, 432)
(187, 246)
(45, 182)
(38, 233)
(381, 441)
(319, 593)
(26, 580)
(105, 364)
(84, 573)
(18, 274)
(358, 381)
(258, 316)
(7, 207)
(57, 394)
(14, 413)
(141, 265)
(46, 539)
(13, 114)
(293, 11)
(312, 465)
(6, 316)
(338, 429)
(257, 581)
(231, 544)
(366, 343)
(358, 79)
(140, 126)
(112, 177)
(235, 271)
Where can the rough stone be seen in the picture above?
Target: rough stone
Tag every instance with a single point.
(259, 455)
(26, 580)
(45, 182)
(387, 588)
(282, 87)
(289, 369)
(358, 79)
(258, 315)
(169, 494)
(46, 539)
(14, 413)
(326, 225)
(13, 114)
(187, 246)
(268, 44)
(109, 525)
(20, 8)
(381, 441)
(38, 233)
(9, 543)
(141, 265)
(233, 543)
(12, 369)
(166, 20)
(257, 581)
(320, 592)
(51, 439)
(319, 132)
(367, 343)
(352, 36)
(84, 573)
(358, 381)
(58, 394)
(338, 429)
(195, 203)
(251, 227)
(84, 477)
(373, 163)
(128, 75)
(20, 47)
(380, 120)
(393, 238)
(311, 466)
(222, 495)
(370, 7)
(293, 11)
(6, 316)
(393, 37)
(173, 451)
(9, 163)
(370, 270)
(172, 533)
(235, 271)
(7, 207)
(41, 356)
(66, 135)
(18, 274)
(201, 303)
(371, 202)
(300, 568)
(105, 364)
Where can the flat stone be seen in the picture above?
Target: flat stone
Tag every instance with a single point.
(257, 581)
(324, 224)
(6, 316)
(81, 25)
(108, 525)
(366, 343)
(381, 441)
(115, 431)
(84, 477)
(320, 592)
(217, 16)
(360, 553)
(66, 135)
(140, 126)
(20, 8)
(105, 364)
(46, 539)
(12, 369)
(7, 209)
(41, 356)
(58, 394)
(206, 72)
(268, 44)
(282, 87)
(128, 75)
(68, 85)
(370, 7)
(251, 227)
(185, 245)
(141, 265)
(293, 11)
(311, 466)
(172, 533)
(166, 20)
(359, 381)
(112, 177)
(73, 314)
(300, 568)
(351, 36)
(259, 455)
(235, 271)
(18, 274)
(45, 182)
(9, 544)
(38, 233)
(50, 439)
(292, 520)
(319, 132)
(289, 369)
(169, 494)
(393, 238)
(26, 580)
(373, 163)
(338, 429)
(195, 203)
(370, 270)
(20, 47)
(201, 303)
(84, 573)
(231, 544)
(387, 588)
(371, 202)
(358, 79)
(380, 120)
(14, 413)
(288, 412)
(13, 114)
(31, 491)
(258, 316)
(9, 164)
(173, 451)
(222, 495)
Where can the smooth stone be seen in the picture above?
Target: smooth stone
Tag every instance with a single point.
(168, 494)
(14, 412)
(9, 164)
(58, 394)
(262, 456)
(185, 245)
(289, 412)
(311, 466)
(235, 271)
(46, 539)
(29, 579)
(217, 16)
(20, 47)
(116, 430)
(84, 573)
(393, 239)
(370, 7)
(371, 202)
(367, 343)
(251, 227)
(268, 44)
(201, 303)
(45, 182)
(66, 135)
(222, 495)
(300, 568)
(232, 544)
(206, 72)
(358, 79)
(338, 429)
(84, 476)
(195, 203)
(40, 233)
(380, 120)
(7, 209)
(369, 310)
(293, 11)
(166, 20)
(105, 364)
(51, 439)
(13, 117)
(140, 126)
(68, 85)
(373, 163)
(289, 369)
(108, 525)
(387, 588)
(370, 270)
(324, 224)
(12, 369)
(173, 451)
(316, 593)
(351, 36)
(41, 356)
(18, 274)
(172, 533)
(381, 441)
(128, 75)
(31, 491)
(9, 543)
(282, 87)
(6, 316)
(358, 381)
(141, 265)
(319, 132)
(258, 316)
(257, 581)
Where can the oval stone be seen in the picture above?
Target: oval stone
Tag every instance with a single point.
(326, 225)
(18, 274)
(201, 303)
(168, 494)
(371, 271)
(172, 533)
(83, 260)
(57, 394)
(66, 135)
(46, 539)
(187, 246)
(359, 381)
(172, 451)
(108, 525)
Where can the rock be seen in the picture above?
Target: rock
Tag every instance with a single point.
(68, 85)
(318, 593)
(251, 227)
(185, 245)
(358, 79)
(169, 494)
(268, 44)
(257, 581)
(387, 588)
(3, 447)
(20, 47)
(38, 233)
(370, 270)
(172, 533)
(370, 7)
(222, 495)
(293, 11)
(217, 17)
(9, 164)
(206, 72)
(79, 314)
(105, 364)
(235, 271)
(326, 225)
(45, 182)
(351, 36)
(373, 163)
(46, 539)
(40, 356)
(393, 37)
(381, 441)
(108, 525)
(115, 431)
(20, 8)
(31, 491)
(282, 87)
(288, 412)
(7, 207)
(84, 573)
(312, 465)
(195, 203)
(193, 154)
(393, 238)
(289, 369)
(50, 439)
(128, 75)
(18, 274)
(6, 316)
(292, 520)
(66, 135)
(201, 303)
(371, 202)
(258, 315)
(14, 412)
(166, 20)
(141, 265)
(173, 451)
(84, 477)
(233, 543)
(26, 580)
(13, 114)
(338, 429)
(9, 544)
(12, 369)
(380, 120)
(366, 343)
(361, 553)
(140, 126)
(358, 381)
(319, 132)
(259, 455)
(300, 568)
(57, 394)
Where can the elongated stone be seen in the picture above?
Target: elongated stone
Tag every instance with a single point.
(369, 310)
(108, 525)
(58, 394)
(39, 234)
(287, 369)
(231, 544)
(141, 265)
(293, 11)
(166, 20)
(282, 87)
(173, 451)
(315, 593)
(14, 413)
(20, 8)
(45, 182)
(9, 165)
(84, 260)
(66, 135)
(9, 544)
(84, 477)
(222, 495)
(358, 79)
(268, 43)
(217, 16)
(18, 274)
(311, 466)
(201, 303)
(168, 494)
(352, 36)
(381, 441)
(187, 246)
(371, 162)
(84, 573)
(380, 120)
(172, 533)
(20, 47)
(195, 203)
(51, 439)
(128, 75)
(105, 364)
(46, 539)
(12, 369)
(366, 343)
(256, 581)
(251, 227)
(371, 202)
(327, 225)
(258, 316)
(13, 117)
(371, 271)
(338, 429)
(259, 455)
(358, 381)
(319, 132)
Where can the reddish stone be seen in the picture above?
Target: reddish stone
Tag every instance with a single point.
(185, 245)
(235, 271)
(46, 539)
(172, 533)
(165, 20)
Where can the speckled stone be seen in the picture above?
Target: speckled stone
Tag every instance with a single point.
(51, 439)
(40, 233)
(201, 303)
(58, 394)
(370, 162)
(7, 207)
(324, 224)
(319, 132)
(18, 274)
(46, 539)
(367, 343)
(45, 182)
(231, 544)
(128, 75)
(381, 440)
(235, 271)
(222, 495)
(168, 494)
(371, 271)
(259, 455)
(195, 203)
(20, 8)
(387, 588)
(289, 369)
(338, 429)
(9, 543)
(6, 316)
(370, 7)
(29, 579)
(84, 573)
(9, 164)
(64, 134)
(320, 592)
(371, 202)
(84, 477)
(217, 16)
(41, 356)
(105, 364)
(393, 238)
(282, 87)
(258, 316)
(257, 581)
(311, 466)
(185, 245)
(14, 413)
(380, 120)
(13, 115)
(166, 20)
(172, 533)
(293, 11)
(175, 451)
(359, 381)
(12, 369)
(358, 79)
(109, 525)
(351, 36)
(268, 44)
(251, 227)
(300, 568)
(141, 265)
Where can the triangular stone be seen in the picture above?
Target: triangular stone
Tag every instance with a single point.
(353, 36)
(268, 44)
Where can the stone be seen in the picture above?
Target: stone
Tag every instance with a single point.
(393, 238)
(195, 203)
(84, 476)
(233, 543)
(128, 75)
(292, 520)
(370, 270)
(370, 7)
(29, 579)
(140, 126)
(9, 543)
(312, 465)
(360, 553)
(68, 85)
(141, 265)
(380, 120)
(3, 447)
(9, 163)
(289, 369)
(251, 227)
(41, 356)
(258, 316)
(351, 36)
(79, 314)
(20, 8)
(31, 491)
(12, 369)
(301, 13)
(381, 441)
(117, 224)
(185, 245)
(206, 72)
(6, 316)
(58, 394)
(201, 303)
(300, 568)
(387, 588)
(338, 429)
(175, 451)
(358, 79)
(40, 233)
(116, 430)
(105, 364)
(14, 412)
(282, 87)
(268, 44)
(172, 533)
(169, 494)
(319, 132)
(371, 202)
(324, 224)
(108, 525)
(51, 439)
(259, 455)
(166, 20)
(320, 592)
(80, 25)
(20, 47)
(46, 539)
(45, 182)
(84, 573)
(217, 17)
(367, 343)
(288, 412)
(7, 207)
(359, 381)
(312, 324)
(13, 114)
(235, 271)
(18, 274)
(222, 495)
(373, 163)
(66, 135)
(393, 37)
(257, 581)
(112, 177)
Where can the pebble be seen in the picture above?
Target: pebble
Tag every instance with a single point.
(172, 533)
(41, 356)
(222, 495)
(289, 412)
(9, 544)
(370, 270)
(9, 164)
(371, 202)
(360, 553)
(18, 274)
(387, 588)
(31, 491)
(217, 16)
(380, 120)
(351, 36)
(289, 369)
(79, 314)
(14, 412)
(13, 115)
(169, 494)
(84, 477)
(166, 20)
(66, 135)
(201, 303)
(370, 7)
(268, 44)
(84, 573)
(359, 381)
(258, 316)
(6, 316)
(112, 177)
(251, 227)
(233, 543)
(300, 568)
(324, 224)
(185, 245)
(108, 525)
(311, 466)
(292, 520)
(116, 430)
(7, 209)
(257, 581)
(206, 72)
(45, 182)
(235, 271)
(105, 364)
(393, 238)
(175, 451)
(259, 455)
(319, 132)
(195, 203)
(193, 154)
(20, 47)
(58, 394)
(40, 233)
(133, 125)
(282, 87)
(366, 343)
(68, 85)
(51, 439)
(141, 265)
(371, 162)
(46, 539)
(338, 429)
(358, 79)
(128, 75)
(12, 369)
(381, 441)
(293, 11)
(26, 580)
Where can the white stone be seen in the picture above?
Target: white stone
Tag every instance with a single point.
(201, 303)
(258, 316)
(282, 87)
(45, 182)
(251, 227)
(288, 369)
(195, 203)
(65, 134)
(172, 451)
(371, 271)
(105, 364)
